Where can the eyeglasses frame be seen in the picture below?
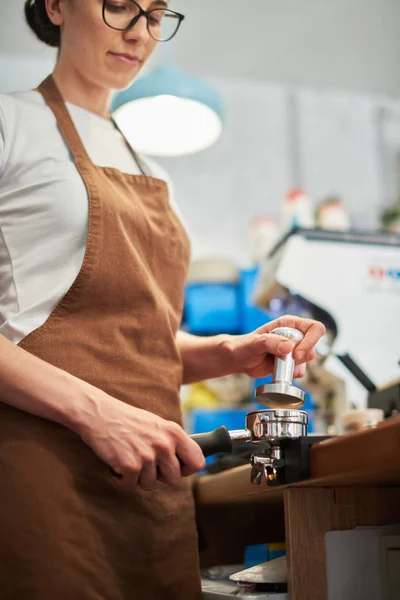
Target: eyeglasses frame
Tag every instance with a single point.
(146, 14)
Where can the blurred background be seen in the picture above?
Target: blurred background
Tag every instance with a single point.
(295, 206)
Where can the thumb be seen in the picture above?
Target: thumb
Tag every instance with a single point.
(268, 343)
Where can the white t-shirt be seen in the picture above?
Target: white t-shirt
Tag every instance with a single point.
(44, 205)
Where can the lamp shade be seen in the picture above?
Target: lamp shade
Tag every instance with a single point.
(169, 113)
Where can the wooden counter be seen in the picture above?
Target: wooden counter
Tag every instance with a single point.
(355, 480)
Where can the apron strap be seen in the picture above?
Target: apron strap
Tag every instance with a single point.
(135, 155)
(53, 98)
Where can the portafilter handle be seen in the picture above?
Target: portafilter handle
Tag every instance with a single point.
(221, 440)
(284, 366)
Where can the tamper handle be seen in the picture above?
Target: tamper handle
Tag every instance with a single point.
(284, 366)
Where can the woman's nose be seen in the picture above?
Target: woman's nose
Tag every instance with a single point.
(139, 31)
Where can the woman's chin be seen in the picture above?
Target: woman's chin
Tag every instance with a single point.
(120, 79)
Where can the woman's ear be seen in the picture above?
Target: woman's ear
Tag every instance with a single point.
(55, 11)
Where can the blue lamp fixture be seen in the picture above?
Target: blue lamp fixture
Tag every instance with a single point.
(169, 113)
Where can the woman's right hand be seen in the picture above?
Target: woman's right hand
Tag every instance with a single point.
(135, 443)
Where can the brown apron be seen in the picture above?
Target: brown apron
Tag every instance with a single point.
(68, 531)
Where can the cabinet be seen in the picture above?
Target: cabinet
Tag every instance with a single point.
(355, 480)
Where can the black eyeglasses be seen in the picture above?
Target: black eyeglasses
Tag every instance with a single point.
(162, 23)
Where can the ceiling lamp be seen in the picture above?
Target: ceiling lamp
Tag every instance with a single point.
(169, 113)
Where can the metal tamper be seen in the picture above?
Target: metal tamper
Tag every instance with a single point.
(281, 393)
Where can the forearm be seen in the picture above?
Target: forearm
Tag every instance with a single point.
(111, 428)
(37, 387)
(204, 357)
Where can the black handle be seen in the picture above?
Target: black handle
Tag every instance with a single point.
(210, 443)
(214, 442)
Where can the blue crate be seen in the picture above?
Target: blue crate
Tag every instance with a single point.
(252, 317)
(205, 420)
(255, 555)
(212, 308)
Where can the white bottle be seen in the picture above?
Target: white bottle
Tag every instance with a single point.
(297, 210)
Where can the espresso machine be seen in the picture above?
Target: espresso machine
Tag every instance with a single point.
(278, 435)
(351, 282)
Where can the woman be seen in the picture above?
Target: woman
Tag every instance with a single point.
(93, 262)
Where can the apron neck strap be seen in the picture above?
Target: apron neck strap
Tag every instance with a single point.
(54, 100)
(141, 166)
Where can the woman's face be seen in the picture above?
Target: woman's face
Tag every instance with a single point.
(106, 57)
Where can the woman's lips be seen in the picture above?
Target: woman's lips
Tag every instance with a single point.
(127, 59)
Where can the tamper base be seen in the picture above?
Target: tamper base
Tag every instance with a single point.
(280, 395)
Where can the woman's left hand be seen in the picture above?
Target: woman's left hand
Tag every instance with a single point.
(254, 353)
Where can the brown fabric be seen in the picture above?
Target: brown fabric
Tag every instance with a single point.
(68, 531)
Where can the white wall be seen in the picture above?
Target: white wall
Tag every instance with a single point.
(23, 71)
(345, 44)
(346, 145)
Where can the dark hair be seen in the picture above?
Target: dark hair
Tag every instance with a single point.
(38, 20)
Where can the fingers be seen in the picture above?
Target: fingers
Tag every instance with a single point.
(299, 371)
(166, 457)
(127, 473)
(169, 470)
(312, 330)
(148, 476)
(268, 343)
(190, 455)
(184, 457)
(304, 358)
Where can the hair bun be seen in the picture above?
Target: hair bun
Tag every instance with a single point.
(38, 20)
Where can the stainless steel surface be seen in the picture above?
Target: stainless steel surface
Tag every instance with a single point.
(264, 466)
(215, 590)
(284, 367)
(265, 430)
(256, 476)
(273, 571)
(268, 428)
(280, 395)
(220, 572)
(240, 436)
(270, 425)
(281, 392)
(275, 424)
